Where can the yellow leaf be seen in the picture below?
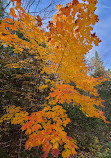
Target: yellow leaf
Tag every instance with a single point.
(58, 6)
(55, 145)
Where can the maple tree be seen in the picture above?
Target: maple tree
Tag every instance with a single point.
(68, 40)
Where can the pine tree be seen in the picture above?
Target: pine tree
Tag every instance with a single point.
(96, 66)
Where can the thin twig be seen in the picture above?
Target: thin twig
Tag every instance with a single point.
(20, 146)
(7, 5)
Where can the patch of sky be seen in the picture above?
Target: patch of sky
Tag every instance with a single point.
(102, 28)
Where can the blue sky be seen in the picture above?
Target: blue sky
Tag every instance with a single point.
(102, 29)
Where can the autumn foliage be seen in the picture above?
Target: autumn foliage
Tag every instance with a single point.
(68, 40)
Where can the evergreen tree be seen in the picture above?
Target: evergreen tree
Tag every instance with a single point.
(97, 70)
(96, 66)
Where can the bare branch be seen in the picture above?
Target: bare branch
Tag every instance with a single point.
(7, 5)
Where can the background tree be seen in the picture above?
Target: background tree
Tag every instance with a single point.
(21, 87)
(97, 70)
(96, 66)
